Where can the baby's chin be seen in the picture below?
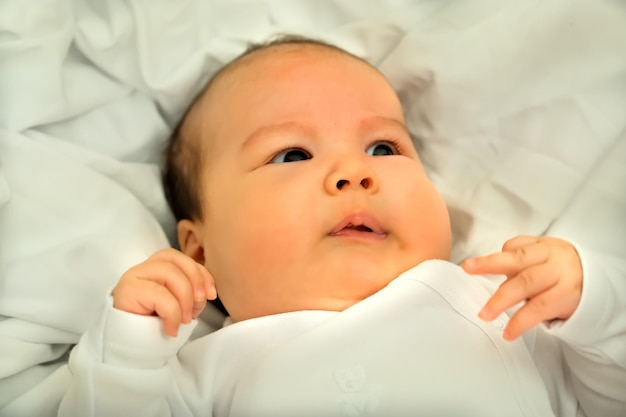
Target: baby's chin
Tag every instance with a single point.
(354, 283)
(345, 293)
(349, 289)
(328, 288)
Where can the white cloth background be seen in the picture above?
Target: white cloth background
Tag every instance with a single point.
(518, 110)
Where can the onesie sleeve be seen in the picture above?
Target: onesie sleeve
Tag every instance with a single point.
(594, 337)
(120, 367)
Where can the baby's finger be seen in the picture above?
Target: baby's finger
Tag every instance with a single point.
(519, 241)
(210, 293)
(154, 297)
(527, 284)
(209, 283)
(171, 277)
(536, 310)
(508, 263)
(198, 306)
(168, 309)
(195, 273)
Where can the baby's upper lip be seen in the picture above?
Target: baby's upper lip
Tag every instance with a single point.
(359, 221)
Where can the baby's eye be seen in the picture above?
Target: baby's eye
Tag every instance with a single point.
(291, 155)
(382, 149)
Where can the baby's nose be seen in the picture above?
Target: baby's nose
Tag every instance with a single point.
(352, 174)
(365, 183)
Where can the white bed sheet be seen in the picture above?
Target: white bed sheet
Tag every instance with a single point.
(518, 110)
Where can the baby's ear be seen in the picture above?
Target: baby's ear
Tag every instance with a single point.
(190, 240)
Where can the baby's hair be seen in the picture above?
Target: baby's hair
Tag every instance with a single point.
(183, 154)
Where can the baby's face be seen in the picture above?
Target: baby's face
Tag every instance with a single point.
(315, 196)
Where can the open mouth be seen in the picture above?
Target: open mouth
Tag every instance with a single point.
(359, 226)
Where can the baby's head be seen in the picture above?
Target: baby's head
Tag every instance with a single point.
(296, 183)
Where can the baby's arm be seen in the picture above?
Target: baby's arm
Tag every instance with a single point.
(120, 367)
(593, 335)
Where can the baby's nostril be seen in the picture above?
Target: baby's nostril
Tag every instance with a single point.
(365, 183)
(341, 183)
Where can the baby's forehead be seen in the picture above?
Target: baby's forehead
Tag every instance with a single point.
(276, 54)
(247, 69)
(232, 86)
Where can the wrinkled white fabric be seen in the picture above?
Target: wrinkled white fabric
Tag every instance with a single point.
(517, 109)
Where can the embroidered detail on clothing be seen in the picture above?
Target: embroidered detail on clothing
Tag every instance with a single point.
(358, 398)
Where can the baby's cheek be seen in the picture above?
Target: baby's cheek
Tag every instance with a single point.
(428, 223)
(264, 251)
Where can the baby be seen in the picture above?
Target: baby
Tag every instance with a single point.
(302, 202)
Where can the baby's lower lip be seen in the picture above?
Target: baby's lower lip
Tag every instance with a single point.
(360, 234)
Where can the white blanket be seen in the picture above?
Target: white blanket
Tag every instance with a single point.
(517, 108)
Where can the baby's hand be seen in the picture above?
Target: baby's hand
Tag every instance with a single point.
(545, 272)
(170, 285)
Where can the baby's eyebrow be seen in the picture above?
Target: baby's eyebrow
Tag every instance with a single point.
(381, 121)
(291, 127)
(302, 129)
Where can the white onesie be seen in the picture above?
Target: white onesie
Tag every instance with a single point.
(415, 348)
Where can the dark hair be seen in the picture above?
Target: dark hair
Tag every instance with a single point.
(183, 155)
